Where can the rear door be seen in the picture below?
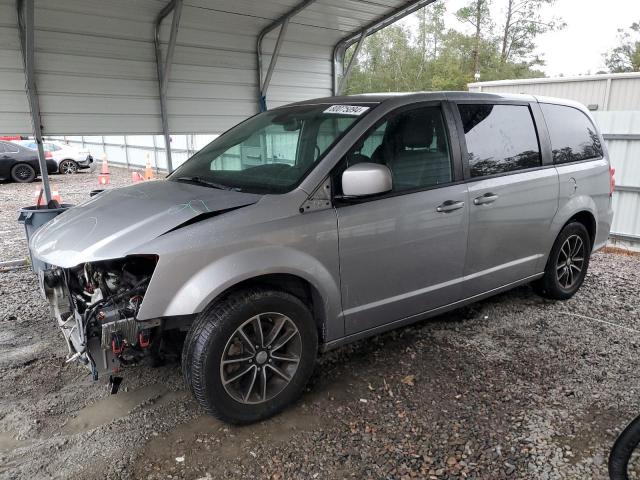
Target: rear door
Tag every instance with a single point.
(402, 253)
(513, 194)
(582, 166)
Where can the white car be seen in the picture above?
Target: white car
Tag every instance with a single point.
(68, 158)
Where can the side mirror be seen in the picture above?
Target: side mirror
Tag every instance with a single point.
(366, 178)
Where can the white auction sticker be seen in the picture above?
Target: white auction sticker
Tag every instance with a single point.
(346, 109)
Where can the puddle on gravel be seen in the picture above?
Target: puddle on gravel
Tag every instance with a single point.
(114, 407)
(203, 435)
(8, 442)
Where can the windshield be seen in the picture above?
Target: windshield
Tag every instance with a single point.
(271, 152)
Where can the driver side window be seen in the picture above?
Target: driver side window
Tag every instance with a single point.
(413, 144)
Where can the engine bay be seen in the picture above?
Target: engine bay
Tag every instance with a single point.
(96, 305)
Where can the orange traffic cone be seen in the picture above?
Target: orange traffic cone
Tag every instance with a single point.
(148, 171)
(103, 178)
(136, 177)
(40, 198)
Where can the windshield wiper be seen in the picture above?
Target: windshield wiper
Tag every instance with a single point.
(202, 181)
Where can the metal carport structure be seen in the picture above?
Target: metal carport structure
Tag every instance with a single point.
(87, 67)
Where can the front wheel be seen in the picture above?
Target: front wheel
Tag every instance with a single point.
(622, 451)
(567, 264)
(68, 167)
(250, 355)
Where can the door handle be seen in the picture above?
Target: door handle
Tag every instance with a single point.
(485, 199)
(449, 206)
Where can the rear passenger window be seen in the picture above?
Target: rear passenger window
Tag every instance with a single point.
(500, 138)
(573, 136)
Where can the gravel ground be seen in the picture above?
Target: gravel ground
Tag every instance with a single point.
(512, 387)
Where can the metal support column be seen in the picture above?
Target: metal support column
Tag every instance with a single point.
(26, 13)
(356, 36)
(164, 71)
(283, 23)
(352, 61)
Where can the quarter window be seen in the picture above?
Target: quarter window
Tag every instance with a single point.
(573, 136)
(500, 138)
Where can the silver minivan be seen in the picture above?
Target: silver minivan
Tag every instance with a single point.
(322, 222)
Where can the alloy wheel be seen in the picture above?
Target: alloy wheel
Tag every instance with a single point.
(261, 358)
(68, 168)
(570, 261)
(23, 172)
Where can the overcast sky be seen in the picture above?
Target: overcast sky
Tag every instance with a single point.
(577, 49)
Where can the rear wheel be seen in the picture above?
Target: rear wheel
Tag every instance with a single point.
(23, 173)
(68, 167)
(250, 355)
(567, 264)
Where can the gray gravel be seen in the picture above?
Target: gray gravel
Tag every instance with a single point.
(512, 387)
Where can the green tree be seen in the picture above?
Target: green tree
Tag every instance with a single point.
(626, 56)
(522, 24)
(476, 13)
(433, 57)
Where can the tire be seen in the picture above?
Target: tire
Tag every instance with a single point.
(562, 280)
(23, 173)
(622, 450)
(68, 167)
(268, 341)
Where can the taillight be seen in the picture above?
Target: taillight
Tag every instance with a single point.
(48, 155)
(612, 180)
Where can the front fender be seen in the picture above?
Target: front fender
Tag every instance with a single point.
(213, 279)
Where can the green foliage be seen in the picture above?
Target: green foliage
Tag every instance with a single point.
(523, 23)
(626, 56)
(434, 57)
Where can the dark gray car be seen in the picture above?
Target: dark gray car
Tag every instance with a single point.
(319, 223)
(20, 164)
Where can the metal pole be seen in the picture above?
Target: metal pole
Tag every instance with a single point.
(274, 58)
(373, 27)
(163, 72)
(126, 151)
(262, 101)
(352, 61)
(27, 40)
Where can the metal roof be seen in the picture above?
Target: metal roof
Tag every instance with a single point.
(96, 72)
(184, 66)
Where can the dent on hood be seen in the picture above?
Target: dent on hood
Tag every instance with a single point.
(119, 221)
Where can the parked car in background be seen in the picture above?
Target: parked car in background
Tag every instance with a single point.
(68, 159)
(319, 223)
(20, 164)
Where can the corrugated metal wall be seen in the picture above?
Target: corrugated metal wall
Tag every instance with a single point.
(96, 73)
(617, 99)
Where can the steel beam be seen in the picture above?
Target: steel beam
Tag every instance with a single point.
(26, 14)
(283, 23)
(164, 67)
(347, 72)
(356, 36)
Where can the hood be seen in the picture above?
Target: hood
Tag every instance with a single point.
(120, 221)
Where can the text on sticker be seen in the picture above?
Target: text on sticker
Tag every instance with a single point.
(346, 109)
